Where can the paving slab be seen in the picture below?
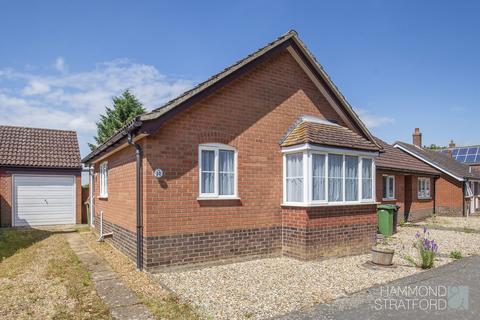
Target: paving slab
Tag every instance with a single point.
(122, 302)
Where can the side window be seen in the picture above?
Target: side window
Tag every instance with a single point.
(388, 187)
(104, 179)
(218, 171)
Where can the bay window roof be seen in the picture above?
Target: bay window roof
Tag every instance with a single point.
(323, 132)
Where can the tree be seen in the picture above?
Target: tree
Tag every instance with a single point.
(125, 108)
(434, 147)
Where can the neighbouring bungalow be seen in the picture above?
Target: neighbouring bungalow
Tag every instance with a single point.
(263, 159)
(407, 182)
(457, 189)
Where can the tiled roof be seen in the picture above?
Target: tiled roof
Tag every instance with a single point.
(224, 74)
(328, 134)
(398, 160)
(441, 160)
(33, 147)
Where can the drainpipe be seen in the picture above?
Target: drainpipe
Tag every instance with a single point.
(435, 195)
(138, 195)
(91, 171)
(463, 198)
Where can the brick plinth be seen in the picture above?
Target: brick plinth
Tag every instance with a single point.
(309, 233)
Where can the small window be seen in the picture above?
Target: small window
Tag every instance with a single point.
(388, 187)
(217, 169)
(104, 179)
(423, 188)
(367, 179)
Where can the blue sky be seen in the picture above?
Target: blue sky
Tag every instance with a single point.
(400, 64)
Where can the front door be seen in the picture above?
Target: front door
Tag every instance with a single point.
(408, 196)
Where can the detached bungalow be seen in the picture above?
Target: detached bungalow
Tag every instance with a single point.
(407, 182)
(457, 191)
(40, 181)
(265, 158)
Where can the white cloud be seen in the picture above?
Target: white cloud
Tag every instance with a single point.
(371, 120)
(60, 64)
(74, 100)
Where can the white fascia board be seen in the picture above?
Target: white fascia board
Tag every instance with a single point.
(308, 146)
(428, 162)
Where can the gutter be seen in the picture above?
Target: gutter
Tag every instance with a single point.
(138, 198)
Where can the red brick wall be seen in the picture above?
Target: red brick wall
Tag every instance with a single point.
(417, 208)
(252, 114)
(5, 199)
(309, 233)
(449, 196)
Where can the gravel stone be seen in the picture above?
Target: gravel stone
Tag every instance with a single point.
(270, 287)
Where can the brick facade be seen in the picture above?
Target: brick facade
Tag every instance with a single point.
(449, 196)
(251, 113)
(314, 232)
(406, 196)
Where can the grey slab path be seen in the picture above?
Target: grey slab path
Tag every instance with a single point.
(121, 301)
(462, 300)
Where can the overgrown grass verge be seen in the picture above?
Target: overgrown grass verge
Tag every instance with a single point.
(43, 279)
(160, 302)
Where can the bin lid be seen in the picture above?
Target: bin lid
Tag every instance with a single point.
(387, 206)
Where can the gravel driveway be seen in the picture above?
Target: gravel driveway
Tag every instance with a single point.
(265, 288)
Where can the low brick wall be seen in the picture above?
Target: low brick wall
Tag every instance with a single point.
(449, 211)
(309, 233)
(204, 247)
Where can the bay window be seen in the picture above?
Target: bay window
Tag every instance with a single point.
(423, 188)
(320, 177)
(388, 187)
(217, 171)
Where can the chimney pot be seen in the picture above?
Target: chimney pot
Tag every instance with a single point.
(417, 138)
(451, 144)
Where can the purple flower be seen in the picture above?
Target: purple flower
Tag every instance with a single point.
(424, 229)
(417, 235)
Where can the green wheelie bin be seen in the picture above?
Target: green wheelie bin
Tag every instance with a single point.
(385, 218)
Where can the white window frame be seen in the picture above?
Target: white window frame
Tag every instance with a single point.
(390, 179)
(426, 181)
(216, 147)
(103, 177)
(308, 150)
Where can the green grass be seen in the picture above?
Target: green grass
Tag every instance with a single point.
(169, 308)
(12, 240)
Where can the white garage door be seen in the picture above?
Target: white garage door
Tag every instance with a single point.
(44, 200)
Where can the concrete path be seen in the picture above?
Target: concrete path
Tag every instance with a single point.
(449, 292)
(121, 301)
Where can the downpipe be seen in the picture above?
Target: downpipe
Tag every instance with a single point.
(103, 235)
(138, 200)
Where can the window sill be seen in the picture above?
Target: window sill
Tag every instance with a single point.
(103, 197)
(389, 199)
(217, 198)
(428, 198)
(331, 204)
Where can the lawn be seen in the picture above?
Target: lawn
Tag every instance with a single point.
(42, 278)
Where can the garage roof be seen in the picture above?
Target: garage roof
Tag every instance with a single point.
(38, 148)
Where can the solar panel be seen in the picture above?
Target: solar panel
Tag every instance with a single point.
(454, 152)
(470, 158)
(461, 158)
(462, 151)
(473, 151)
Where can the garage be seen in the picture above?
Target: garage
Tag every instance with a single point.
(43, 200)
(40, 177)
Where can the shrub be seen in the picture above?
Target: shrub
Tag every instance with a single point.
(456, 254)
(427, 249)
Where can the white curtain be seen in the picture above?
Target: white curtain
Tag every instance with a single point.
(335, 178)
(294, 179)
(208, 171)
(318, 173)
(351, 178)
(226, 172)
(367, 179)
